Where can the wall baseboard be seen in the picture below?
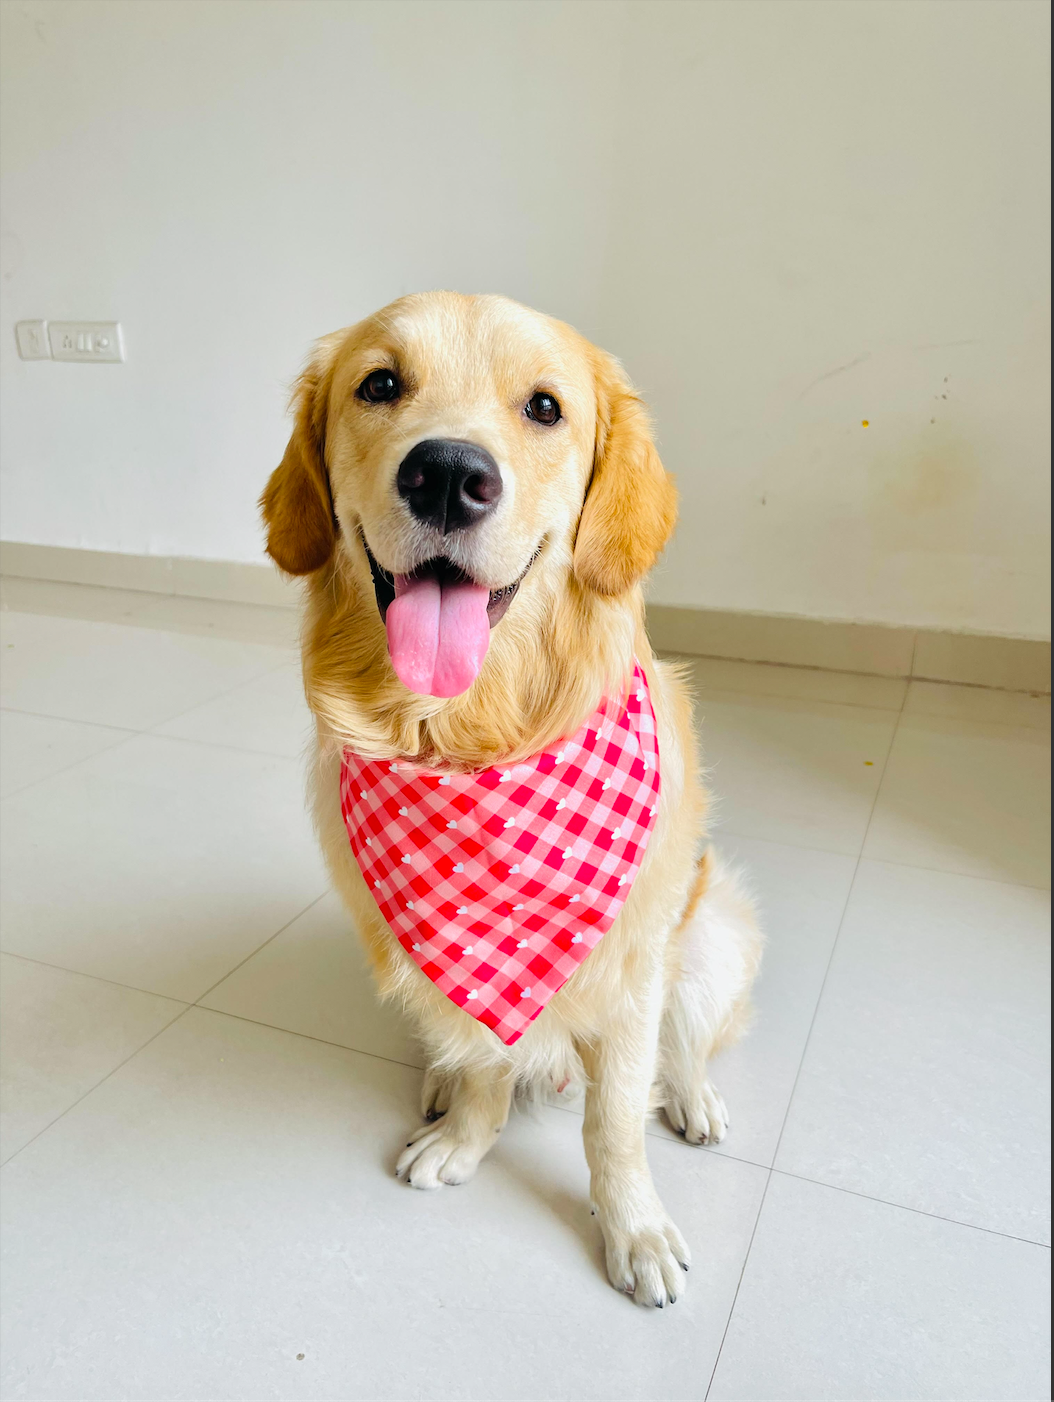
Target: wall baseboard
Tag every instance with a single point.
(975, 659)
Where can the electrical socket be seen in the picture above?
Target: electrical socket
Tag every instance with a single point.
(32, 339)
(86, 340)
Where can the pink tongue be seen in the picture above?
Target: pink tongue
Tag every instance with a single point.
(438, 634)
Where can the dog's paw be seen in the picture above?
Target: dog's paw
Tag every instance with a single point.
(648, 1263)
(699, 1114)
(436, 1155)
(437, 1092)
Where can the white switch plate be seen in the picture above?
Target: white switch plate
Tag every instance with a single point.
(86, 340)
(32, 338)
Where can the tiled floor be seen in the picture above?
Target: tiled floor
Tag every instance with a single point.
(203, 1103)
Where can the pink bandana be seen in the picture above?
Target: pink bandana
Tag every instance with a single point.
(499, 883)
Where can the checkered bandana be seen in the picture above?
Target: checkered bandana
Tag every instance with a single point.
(500, 882)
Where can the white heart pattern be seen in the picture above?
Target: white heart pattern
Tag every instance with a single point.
(505, 777)
(514, 870)
(407, 857)
(404, 812)
(576, 939)
(567, 854)
(525, 992)
(574, 899)
(468, 949)
(561, 804)
(459, 866)
(451, 824)
(462, 910)
(409, 905)
(474, 993)
(523, 944)
(509, 823)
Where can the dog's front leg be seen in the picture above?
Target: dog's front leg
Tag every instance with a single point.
(449, 1150)
(646, 1254)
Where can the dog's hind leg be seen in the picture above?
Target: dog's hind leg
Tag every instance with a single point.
(717, 951)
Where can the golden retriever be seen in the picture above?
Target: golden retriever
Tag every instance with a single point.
(492, 452)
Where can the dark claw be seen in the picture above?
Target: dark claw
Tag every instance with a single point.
(432, 1115)
(683, 1266)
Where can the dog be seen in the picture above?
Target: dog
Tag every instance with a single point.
(473, 495)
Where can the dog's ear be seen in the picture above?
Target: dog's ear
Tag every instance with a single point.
(297, 506)
(631, 503)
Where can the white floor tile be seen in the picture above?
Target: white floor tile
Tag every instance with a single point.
(712, 676)
(112, 674)
(34, 747)
(978, 703)
(219, 1219)
(844, 1298)
(964, 796)
(803, 772)
(268, 714)
(60, 1034)
(801, 896)
(313, 978)
(926, 1080)
(160, 864)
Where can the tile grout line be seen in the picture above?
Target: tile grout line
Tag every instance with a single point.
(92, 1089)
(917, 1211)
(168, 997)
(186, 1008)
(133, 733)
(126, 739)
(739, 1284)
(153, 993)
(805, 1044)
(98, 978)
(838, 933)
(307, 1037)
(310, 906)
(70, 720)
(246, 681)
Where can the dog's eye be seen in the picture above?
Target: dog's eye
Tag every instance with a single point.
(542, 408)
(379, 387)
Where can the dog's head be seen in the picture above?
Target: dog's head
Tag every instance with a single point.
(452, 444)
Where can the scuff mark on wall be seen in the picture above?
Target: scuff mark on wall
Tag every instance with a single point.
(830, 374)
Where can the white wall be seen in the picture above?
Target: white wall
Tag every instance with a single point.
(786, 218)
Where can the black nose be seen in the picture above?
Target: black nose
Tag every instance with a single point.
(449, 484)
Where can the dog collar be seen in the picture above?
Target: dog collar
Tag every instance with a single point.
(499, 883)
